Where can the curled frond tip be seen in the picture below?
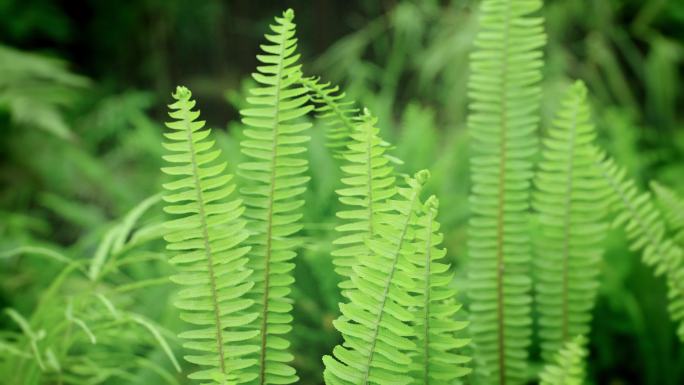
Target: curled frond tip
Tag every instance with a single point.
(182, 93)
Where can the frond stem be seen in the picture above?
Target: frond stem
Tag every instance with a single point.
(269, 224)
(207, 249)
(426, 301)
(500, 209)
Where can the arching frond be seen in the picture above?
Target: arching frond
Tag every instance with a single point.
(376, 321)
(646, 231)
(335, 110)
(504, 114)
(438, 335)
(571, 201)
(207, 238)
(568, 364)
(275, 180)
(369, 182)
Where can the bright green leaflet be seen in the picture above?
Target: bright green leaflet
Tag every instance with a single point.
(207, 238)
(570, 200)
(504, 113)
(274, 181)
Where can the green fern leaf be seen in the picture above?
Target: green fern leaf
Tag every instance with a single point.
(274, 141)
(207, 237)
(568, 365)
(645, 228)
(505, 95)
(571, 202)
(370, 182)
(376, 321)
(436, 360)
(334, 110)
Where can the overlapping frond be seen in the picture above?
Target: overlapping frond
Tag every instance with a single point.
(505, 95)
(673, 210)
(275, 180)
(646, 230)
(335, 110)
(571, 201)
(376, 321)
(207, 237)
(438, 334)
(369, 182)
(568, 367)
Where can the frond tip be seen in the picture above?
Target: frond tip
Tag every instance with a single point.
(206, 237)
(568, 365)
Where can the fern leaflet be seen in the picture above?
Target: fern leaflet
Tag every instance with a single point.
(571, 202)
(274, 139)
(505, 94)
(207, 237)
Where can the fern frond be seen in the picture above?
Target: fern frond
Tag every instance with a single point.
(571, 202)
(436, 360)
(274, 142)
(335, 110)
(376, 321)
(646, 231)
(505, 94)
(207, 237)
(568, 366)
(673, 207)
(370, 182)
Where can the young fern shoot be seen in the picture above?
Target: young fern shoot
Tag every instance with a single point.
(274, 141)
(571, 203)
(436, 360)
(568, 364)
(207, 238)
(376, 321)
(504, 114)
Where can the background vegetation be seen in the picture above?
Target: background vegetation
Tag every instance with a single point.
(83, 91)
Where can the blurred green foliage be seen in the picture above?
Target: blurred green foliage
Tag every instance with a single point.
(83, 87)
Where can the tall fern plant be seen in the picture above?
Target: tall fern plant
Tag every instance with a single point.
(274, 182)
(207, 238)
(505, 93)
